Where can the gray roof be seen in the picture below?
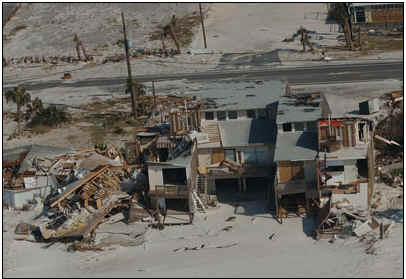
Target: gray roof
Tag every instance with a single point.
(343, 99)
(288, 112)
(296, 146)
(237, 133)
(34, 151)
(239, 95)
(366, 4)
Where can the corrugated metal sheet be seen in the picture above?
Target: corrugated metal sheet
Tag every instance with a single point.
(34, 150)
(289, 112)
(243, 95)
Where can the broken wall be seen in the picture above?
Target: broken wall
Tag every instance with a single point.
(155, 177)
(17, 199)
(358, 200)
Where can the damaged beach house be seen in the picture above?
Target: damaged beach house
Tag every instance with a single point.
(298, 152)
(236, 152)
(295, 155)
(345, 163)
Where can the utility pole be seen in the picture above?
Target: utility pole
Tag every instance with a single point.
(130, 80)
(204, 32)
(153, 92)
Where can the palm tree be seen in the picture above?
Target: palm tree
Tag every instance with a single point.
(169, 29)
(33, 108)
(20, 97)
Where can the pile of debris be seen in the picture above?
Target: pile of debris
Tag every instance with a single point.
(44, 60)
(91, 187)
(343, 220)
(142, 52)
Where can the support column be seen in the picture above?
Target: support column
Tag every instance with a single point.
(244, 184)
(239, 185)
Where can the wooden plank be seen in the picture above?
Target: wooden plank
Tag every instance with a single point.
(217, 155)
(346, 140)
(285, 174)
(83, 182)
(353, 134)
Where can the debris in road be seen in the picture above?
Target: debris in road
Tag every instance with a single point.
(271, 236)
(228, 228)
(232, 218)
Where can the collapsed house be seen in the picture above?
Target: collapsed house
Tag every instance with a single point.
(346, 159)
(30, 173)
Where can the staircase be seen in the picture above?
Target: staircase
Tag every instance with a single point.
(201, 183)
(213, 131)
(197, 203)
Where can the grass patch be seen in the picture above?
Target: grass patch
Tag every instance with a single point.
(97, 135)
(397, 172)
(72, 138)
(380, 43)
(40, 129)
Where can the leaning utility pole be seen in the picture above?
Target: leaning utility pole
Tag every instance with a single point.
(204, 32)
(130, 80)
(153, 93)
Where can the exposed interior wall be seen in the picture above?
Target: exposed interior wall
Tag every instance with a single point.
(350, 171)
(155, 177)
(204, 157)
(217, 155)
(258, 155)
(17, 199)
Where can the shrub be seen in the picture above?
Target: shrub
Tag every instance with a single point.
(41, 129)
(50, 116)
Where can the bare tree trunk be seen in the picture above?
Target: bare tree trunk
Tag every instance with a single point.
(347, 34)
(18, 119)
(78, 51)
(84, 51)
(173, 36)
(163, 43)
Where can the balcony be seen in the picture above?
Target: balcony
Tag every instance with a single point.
(349, 188)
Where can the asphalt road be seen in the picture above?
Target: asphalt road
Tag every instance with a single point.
(300, 75)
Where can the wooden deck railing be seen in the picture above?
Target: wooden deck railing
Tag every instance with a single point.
(170, 190)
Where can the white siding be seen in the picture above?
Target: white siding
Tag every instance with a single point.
(350, 171)
(155, 177)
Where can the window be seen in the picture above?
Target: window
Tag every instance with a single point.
(251, 113)
(221, 115)
(232, 114)
(311, 126)
(299, 126)
(287, 127)
(335, 169)
(209, 115)
(175, 176)
(229, 154)
(262, 114)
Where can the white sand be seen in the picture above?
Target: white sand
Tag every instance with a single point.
(291, 253)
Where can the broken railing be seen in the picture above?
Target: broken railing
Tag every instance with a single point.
(170, 190)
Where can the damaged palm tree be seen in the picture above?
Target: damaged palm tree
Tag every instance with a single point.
(20, 97)
(304, 38)
(79, 45)
(343, 17)
(169, 29)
